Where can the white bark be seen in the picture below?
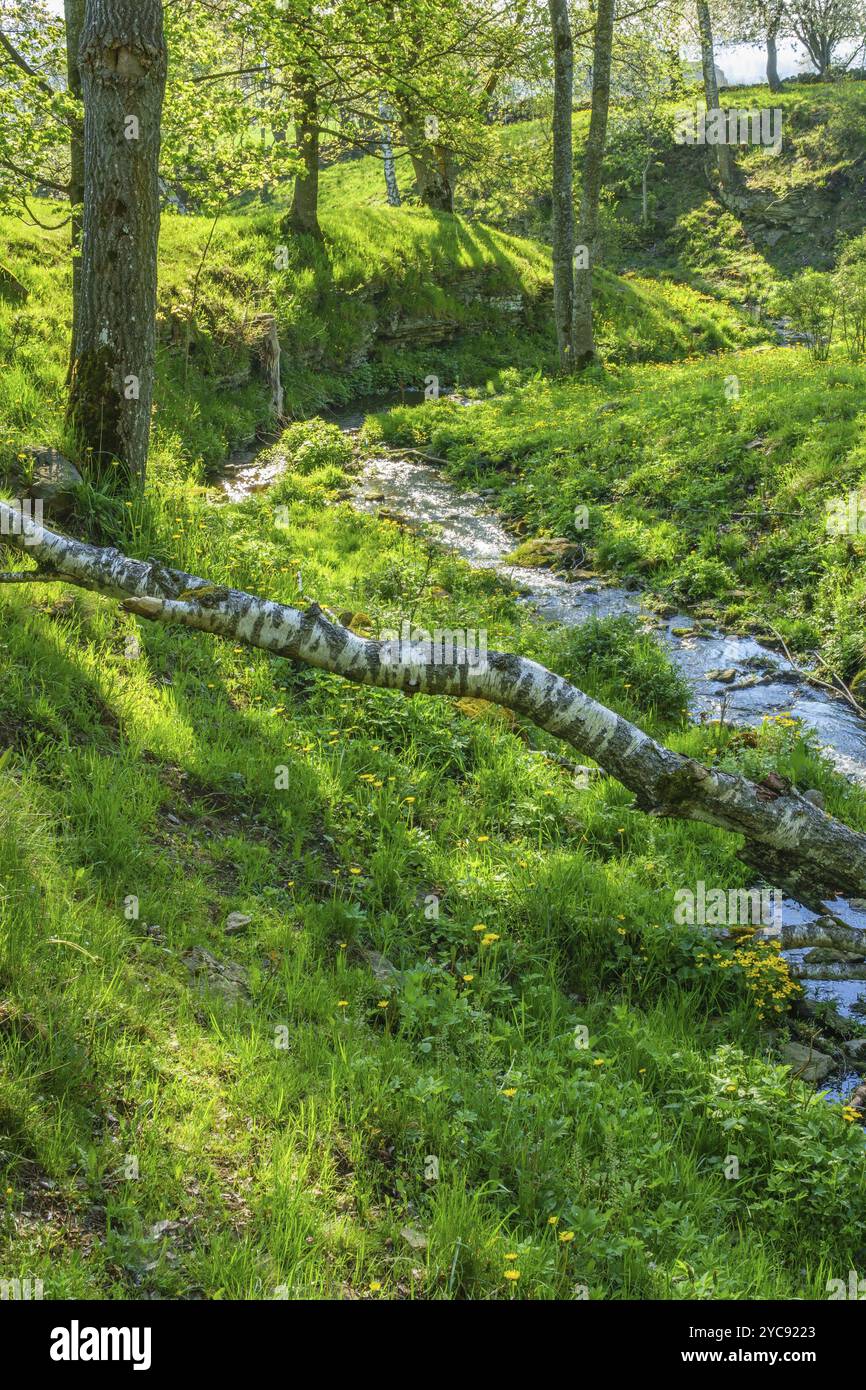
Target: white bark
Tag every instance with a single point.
(785, 837)
(388, 162)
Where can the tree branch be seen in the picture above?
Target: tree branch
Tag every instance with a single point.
(21, 62)
(782, 830)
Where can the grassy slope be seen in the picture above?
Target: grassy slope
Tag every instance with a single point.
(155, 777)
(702, 498)
(411, 261)
(691, 236)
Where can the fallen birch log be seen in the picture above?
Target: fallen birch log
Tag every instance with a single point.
(794, 845)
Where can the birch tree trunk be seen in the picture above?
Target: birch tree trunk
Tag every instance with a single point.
(562, 192)
(711, 92)
(583, 344)
(786, 837)
(122, 57)
(388, 163)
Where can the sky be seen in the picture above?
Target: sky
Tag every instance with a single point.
(741, 62)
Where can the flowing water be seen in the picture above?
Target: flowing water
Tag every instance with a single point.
(733, 676)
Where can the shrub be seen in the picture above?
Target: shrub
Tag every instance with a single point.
(810, 300)
(312, 444)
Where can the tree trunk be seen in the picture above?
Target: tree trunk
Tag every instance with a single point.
(772, 56)
(433, 165)
(303, 215)
(123, 62)
(562, 192)
(583, 345)
(388, 164)
(724, 158)
(267, 340)
(74, 17)
(782, 829)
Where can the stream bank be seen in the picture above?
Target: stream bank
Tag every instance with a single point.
(731, 676)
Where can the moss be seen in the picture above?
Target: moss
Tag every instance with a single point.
(95, 410)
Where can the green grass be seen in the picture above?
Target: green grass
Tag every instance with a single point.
(708, 498)
(287, 1138)
(817, 179)
(300, 1165)
(394, 296)
(377, 267)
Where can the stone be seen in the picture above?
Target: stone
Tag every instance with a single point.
(236, 922)
(721, 676)
(806, 1063)
(225, 978)
(52, 480)
(855, 1048)
(540, 551)
(828, 955)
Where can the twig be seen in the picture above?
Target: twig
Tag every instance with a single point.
(429, 458)
(33, 577)
(837, 685)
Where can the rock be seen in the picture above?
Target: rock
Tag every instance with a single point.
(815, 797)
(828, 955)
(857, 1099)
(225, 978)
(857, 904)
(52, 480)
(856, 1049)
(806, 1063)
(235, 922)
(535, 553)
(721, 676)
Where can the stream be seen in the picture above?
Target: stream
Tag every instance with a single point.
(728, 675)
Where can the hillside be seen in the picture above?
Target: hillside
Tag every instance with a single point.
(312, 990)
